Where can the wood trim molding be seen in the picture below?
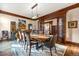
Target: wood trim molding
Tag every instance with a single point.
(72, 43)
(59, 13)
(13, 14)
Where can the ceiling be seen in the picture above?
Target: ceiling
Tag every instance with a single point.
(25, 8)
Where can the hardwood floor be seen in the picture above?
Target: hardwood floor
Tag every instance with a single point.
(72, 50)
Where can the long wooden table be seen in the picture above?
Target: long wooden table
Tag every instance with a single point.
(39, 37)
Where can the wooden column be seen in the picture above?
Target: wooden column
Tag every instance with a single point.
(64, 29)
(57, 29)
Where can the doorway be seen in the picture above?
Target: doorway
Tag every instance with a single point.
(13, 30)
(60, 30)
(48, 28)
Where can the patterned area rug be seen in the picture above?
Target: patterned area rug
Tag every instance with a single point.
(5, 48)
(13, 48)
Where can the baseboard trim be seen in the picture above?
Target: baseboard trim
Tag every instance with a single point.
(72, 43)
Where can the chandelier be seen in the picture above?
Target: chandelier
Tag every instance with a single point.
(34, 9)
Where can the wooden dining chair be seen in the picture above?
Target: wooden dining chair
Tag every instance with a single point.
(50, 43)
(30, 42)
(21, 38)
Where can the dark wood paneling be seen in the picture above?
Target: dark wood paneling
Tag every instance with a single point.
(13, 14)
(64, 29)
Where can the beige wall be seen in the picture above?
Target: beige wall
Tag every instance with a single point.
(6, 19)
(73, 34)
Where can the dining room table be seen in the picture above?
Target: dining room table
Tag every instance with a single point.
(39, 37)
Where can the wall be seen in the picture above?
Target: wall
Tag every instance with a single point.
(73, 34)
(6, 19)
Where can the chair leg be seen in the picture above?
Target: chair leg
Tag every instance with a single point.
(55, 50)
(30, 50)
(50, 51)
(24, 45)
(37, 46)
(27, 48)
(42, 46)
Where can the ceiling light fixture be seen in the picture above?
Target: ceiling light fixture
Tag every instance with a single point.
(35, 16)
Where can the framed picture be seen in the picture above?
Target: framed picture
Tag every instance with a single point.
(22, 24)
(72, 24)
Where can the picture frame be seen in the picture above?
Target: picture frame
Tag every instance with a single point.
(72, 24)
(22, 24)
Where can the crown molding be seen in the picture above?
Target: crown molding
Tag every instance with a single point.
(13, 14)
